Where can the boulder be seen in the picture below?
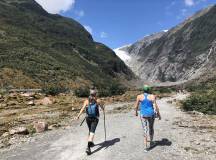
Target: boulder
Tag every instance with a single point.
(74, 109)
(40, 126)
(54, 126)
(27, 94)
(3, 105)
(12, 103)
(6, 134)
(31, 103)
(2, 145)
(18, 130)
(12, 95)
(45, 101)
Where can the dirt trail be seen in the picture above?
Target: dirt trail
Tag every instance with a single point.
(124, 140)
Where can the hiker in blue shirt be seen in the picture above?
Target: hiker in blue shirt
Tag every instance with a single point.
(148, 112)
(91, 105)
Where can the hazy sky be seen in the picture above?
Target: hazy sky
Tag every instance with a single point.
(120, 22)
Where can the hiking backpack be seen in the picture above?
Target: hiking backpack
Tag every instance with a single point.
(92, 110)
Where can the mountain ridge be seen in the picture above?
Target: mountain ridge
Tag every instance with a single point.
(183, 53)
(51, 49)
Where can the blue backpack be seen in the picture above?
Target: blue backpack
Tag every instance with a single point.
(92, 110)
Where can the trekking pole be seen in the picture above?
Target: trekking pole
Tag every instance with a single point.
(83, 121)
(104, 124)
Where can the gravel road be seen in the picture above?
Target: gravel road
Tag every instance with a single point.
(124, 140)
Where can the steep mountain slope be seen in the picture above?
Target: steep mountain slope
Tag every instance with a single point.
(44, 48)
(131, 54)
(184, 52)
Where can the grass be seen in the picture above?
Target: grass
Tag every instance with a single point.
(40, 48)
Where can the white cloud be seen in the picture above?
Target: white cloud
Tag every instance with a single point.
(103, 35)
(56, 6)
(193, 2)
(89, 29)
(80, 13)
(189, 2)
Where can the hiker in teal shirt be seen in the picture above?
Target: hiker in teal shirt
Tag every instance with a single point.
(148, 112)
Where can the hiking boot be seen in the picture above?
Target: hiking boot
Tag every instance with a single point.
(91, 144)
(146, 149)
(88, 151)
(152, 144)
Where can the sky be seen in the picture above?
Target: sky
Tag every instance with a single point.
(121, 22)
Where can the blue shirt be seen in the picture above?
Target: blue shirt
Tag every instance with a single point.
(146, 107)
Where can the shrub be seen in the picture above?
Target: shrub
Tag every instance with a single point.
(54, 90)
(104, 93)
(82, 92)
(117, 89)
(164, 90)
(204, 102)
(111, 90)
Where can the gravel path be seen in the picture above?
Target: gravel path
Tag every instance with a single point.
(124, 140)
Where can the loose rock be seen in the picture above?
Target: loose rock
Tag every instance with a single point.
(18, 130)
(40, 126)
(31, 103)
(6, 134)
(45, 101)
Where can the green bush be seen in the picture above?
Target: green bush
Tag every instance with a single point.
(54, 90)
(117, 89)
(110, 90)
(104, 93)
(204, 102)
(82, 92)
(163, 89)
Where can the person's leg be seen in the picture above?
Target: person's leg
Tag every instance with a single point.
(151, 129)
(145, 128)
(89, 122)
(92, 131)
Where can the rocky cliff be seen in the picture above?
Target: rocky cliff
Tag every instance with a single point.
(183, 53)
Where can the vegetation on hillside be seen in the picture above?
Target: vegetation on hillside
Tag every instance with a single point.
(203, 97)
(51, 49)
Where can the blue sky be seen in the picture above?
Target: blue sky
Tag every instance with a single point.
(120, 22)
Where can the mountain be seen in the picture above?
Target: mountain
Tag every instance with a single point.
(38, 48)
(131, 54)
(185, 52)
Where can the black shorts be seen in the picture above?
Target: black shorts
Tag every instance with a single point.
(92, 124)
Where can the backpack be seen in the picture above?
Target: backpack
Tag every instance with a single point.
(92, 110)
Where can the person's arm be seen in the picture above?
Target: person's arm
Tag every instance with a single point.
(157, 108)
(137, 105)
(82, 109)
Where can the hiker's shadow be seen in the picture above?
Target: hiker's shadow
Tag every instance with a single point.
(106, 144)
(162, 142)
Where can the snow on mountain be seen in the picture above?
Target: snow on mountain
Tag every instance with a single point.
(123, 54)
